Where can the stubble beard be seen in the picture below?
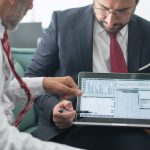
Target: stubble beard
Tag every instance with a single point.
(115, 29)
(13, 19)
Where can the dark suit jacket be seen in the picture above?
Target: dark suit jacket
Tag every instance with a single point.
(66, 48)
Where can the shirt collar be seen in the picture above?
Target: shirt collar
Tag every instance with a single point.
(2, 29)
(123, 31)
(100, 29)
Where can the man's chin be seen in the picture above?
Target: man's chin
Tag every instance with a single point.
(116, 28)
(112, 30)
(12, 27)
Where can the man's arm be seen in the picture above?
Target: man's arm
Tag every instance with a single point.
(12, 139)
(63, 86)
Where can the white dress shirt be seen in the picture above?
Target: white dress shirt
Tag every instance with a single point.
(10, 93)
(101, 47)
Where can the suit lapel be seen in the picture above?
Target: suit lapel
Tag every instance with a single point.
(85, 38)
(134, 45)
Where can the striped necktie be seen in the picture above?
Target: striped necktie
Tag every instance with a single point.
(6, 47)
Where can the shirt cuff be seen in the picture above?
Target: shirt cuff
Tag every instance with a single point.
(35, 85)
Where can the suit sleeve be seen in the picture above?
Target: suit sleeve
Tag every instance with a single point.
(45, 63)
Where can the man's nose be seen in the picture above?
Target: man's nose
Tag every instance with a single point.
(111, 19)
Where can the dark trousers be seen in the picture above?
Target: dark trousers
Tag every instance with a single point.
(105, 138)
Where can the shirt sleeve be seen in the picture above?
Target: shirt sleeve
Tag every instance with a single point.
(12, 139)
(16, 93)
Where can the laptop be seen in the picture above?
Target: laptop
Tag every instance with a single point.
(112, 99)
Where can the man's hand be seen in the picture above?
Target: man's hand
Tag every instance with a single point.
(64, 86)
(63, 119)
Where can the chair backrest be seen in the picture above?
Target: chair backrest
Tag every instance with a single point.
(22, 57)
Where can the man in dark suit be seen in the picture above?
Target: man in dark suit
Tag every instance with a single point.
(78, 40)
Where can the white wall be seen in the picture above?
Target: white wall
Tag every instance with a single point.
(143, 9)
(43, 9)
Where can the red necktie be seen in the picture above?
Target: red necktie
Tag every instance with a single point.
(117, 60)
(6, 47)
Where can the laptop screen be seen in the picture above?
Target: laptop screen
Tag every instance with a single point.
(120, 98)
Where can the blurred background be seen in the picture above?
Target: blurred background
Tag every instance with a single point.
(39, 18)
(43, 9)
